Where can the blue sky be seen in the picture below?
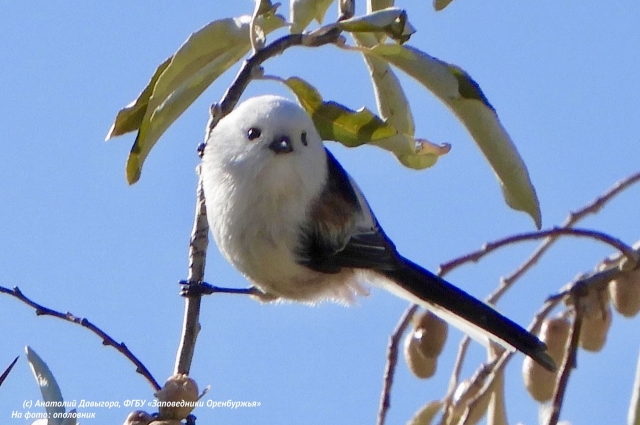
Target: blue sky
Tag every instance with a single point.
(75, 237)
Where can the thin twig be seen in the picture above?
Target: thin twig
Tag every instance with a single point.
(457, 370)
(324, 35)
(392, 360)
(570, 362)
(487, 248)
(197, 258)
(574, 217)
(106, 339)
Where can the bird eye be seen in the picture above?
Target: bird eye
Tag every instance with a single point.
(303, 136)
(253, 133)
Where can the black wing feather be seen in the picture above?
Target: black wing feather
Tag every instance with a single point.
(345, 233)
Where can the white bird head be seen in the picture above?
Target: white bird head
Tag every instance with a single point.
(265, 125)
(271, 142)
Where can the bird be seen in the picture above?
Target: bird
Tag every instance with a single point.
(286, 215)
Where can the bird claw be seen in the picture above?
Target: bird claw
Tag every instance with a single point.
(196, 289)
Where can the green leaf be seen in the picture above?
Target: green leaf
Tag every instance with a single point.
(205, 55)
(392, 21)
(392, 103)
(337, 122)
(425, 154)
(48, 386)
(394, 108)
(130, 117)
(463, 96)
(305, 11)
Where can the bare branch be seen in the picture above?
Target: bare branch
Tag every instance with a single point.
(198, 245)
(625, 249)
(392, 360)
(325, 35)
(106, 339)
(570, 363)
(574, 217)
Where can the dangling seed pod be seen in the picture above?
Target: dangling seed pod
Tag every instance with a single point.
(421, 366)
(540, 383)
(593, 332)
(625, 293)
(431, 331)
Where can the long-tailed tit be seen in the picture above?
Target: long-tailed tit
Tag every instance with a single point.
(286, 214)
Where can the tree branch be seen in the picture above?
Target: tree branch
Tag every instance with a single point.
(487, 248)
(106, 339)
(392, 361)
(198, 245)
(569, 363)
(325, 35)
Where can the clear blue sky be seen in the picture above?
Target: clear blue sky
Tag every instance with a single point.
(75, 237)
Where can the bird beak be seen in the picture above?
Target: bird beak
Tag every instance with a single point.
(281, 144)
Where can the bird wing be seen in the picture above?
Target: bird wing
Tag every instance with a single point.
(343, 232)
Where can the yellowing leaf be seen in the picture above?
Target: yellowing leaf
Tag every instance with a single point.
(392, 21)
(205, 55)
(425, 155)
(337, 122)
(305, 11)
(171, 109)
(130, 117)
(463, 96)
(392, 103)
(394, 108)
(441, 4)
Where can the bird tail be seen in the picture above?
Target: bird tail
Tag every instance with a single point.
(472, 316)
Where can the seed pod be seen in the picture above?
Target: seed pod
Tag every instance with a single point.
(421, 366)
(177, 398)
(593, 332)
(138, 417)
(591, 303)
(625, 293)
(431, 331)
(540, 383)
(466, 391)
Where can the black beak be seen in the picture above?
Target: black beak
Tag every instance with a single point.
(281, 144)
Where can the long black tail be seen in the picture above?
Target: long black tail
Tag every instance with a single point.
(439, 294)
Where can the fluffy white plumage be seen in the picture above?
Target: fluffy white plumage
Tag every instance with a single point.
(258, 201)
